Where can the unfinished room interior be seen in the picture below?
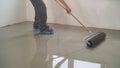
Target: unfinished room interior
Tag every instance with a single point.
(79, 34)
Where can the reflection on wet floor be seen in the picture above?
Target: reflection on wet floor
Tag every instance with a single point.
(45, 56)
(61, 62)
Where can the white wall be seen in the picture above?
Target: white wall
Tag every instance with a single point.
(12, 11)
(93, 13)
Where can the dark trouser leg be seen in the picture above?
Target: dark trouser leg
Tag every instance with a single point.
(40, 13)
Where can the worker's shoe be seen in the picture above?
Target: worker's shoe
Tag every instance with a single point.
(46, 31)
(36, 26)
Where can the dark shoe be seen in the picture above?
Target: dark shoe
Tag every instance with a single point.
(36, 26)
(46, 31)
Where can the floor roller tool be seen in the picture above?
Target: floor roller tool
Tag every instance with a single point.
(94, 38)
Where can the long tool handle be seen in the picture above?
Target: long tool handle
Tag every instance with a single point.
(81, 23)
(75, 18)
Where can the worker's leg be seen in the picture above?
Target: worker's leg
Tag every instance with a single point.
(40, 15)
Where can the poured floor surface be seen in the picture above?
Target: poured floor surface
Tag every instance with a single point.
(21, 47)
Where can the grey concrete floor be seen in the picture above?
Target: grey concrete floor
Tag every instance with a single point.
(21, 47)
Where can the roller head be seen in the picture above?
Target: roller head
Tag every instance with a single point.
(96, 39)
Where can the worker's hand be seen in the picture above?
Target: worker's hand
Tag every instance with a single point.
(68, 10)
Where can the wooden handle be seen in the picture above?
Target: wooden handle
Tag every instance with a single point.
(75, 18)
